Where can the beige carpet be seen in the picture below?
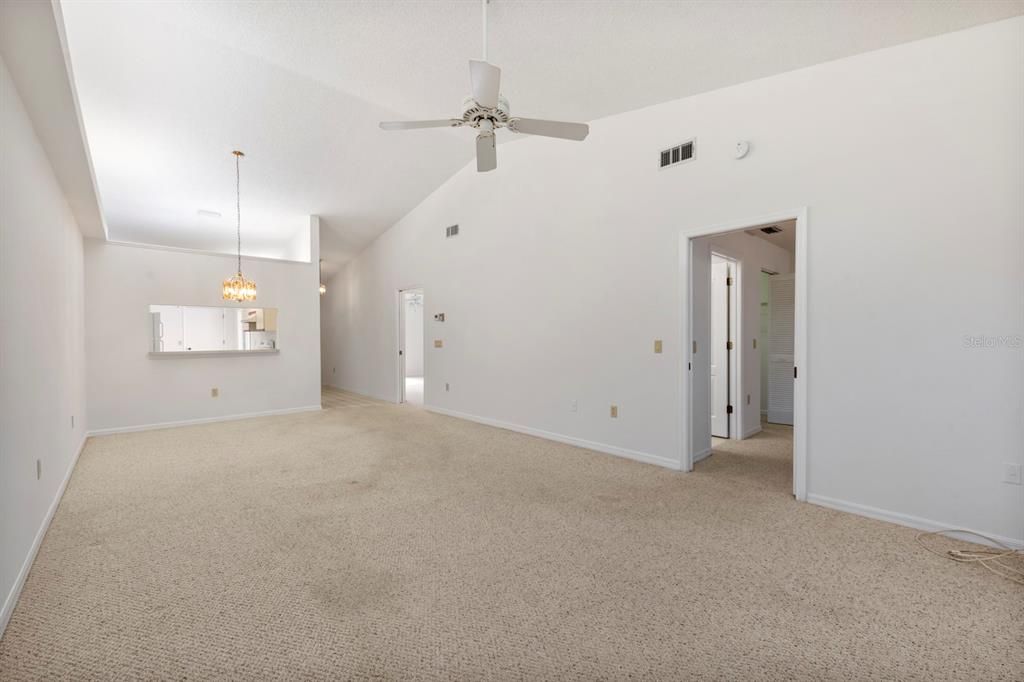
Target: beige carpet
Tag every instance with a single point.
(377, 541)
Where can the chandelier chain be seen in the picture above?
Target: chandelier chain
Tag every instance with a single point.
(238, 209)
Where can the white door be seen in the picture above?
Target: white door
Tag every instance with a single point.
(781, 309)
(719, 348)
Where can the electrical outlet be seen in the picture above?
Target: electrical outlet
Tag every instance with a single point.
(657, 345)
(214, 392)
(1012, 473)
(615, 412)
(39, 469)
(574, 406)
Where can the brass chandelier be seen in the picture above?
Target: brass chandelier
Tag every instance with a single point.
(237, 287)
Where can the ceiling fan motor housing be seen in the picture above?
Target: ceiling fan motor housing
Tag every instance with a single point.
(473, 113)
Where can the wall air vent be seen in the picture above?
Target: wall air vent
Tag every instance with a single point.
(773, 229)
(676, 155)
(451, 231)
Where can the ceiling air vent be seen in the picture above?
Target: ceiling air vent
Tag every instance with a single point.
(451, 231)
(773, 229)
(676, 155)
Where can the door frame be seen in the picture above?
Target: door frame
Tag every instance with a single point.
(734, 359)
(800, 332)
(400, 355)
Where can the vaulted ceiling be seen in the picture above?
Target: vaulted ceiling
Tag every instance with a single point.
(168, 88)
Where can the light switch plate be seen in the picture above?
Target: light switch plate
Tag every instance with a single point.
(1012, 474)
(214, 392)
(438, 343)
(615, 411)
(657, 345)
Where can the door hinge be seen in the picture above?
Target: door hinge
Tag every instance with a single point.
(728, 409)
(401, 352)
(728, 345)
(728, 281)
(794, 372)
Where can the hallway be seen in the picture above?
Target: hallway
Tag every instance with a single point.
(765, 460)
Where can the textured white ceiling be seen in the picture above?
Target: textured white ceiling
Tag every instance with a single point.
(168, 88)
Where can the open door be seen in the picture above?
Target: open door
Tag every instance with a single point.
(721, 347)
(782, 300)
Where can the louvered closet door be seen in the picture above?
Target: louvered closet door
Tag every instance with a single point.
(781, 306)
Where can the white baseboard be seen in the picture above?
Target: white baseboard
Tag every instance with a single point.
(750, 432)
(12, 597)
(203, 420)
(703, 454)
(906, 519)
(560, 438)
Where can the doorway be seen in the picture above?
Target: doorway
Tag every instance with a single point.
(410, 347)
(731, 330)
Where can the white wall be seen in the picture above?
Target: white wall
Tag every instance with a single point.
(42, 375)
(128, 388)
(751, 254)
(911, 161)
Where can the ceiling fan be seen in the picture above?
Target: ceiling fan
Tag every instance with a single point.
(487, 111)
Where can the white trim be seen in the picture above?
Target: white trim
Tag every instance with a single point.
(801, 261)
(12, 597)
(202, 420)
(644, 457)
(905, 519)
(201, 252)
(211, 353)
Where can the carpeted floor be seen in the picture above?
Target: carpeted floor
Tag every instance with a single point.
(380, 541)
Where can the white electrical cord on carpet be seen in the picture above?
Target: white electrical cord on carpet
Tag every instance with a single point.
(995, 560)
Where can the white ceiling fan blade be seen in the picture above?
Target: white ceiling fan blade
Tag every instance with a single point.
(486, 154)
(485, 80)
(536, 126)
(410, 125)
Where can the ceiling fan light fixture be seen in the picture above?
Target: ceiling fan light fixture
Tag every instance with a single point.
(487, 111)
